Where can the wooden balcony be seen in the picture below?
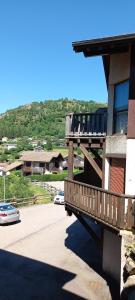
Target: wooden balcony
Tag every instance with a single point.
(111, 209)
(27, 169)
(83, 126)
(33, 170)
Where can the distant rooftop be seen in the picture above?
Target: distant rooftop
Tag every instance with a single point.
(12, 166)
(39, 156)
(105, 45)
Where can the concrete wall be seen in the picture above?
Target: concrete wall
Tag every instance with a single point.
(112, 254)
(116, 144)
(114, 249)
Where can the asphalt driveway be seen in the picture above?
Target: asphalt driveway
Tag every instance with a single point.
(49, 256)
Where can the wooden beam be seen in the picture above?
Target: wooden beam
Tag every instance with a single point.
(91, 161)
(96, 154)
(70, 160)
(106, 64)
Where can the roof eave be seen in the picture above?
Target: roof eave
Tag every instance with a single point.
(104, 46)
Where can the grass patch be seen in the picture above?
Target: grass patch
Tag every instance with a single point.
(43, 195)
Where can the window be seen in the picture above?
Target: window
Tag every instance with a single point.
(56, 164)
(28, 163)
(121, 94)
(41, 165)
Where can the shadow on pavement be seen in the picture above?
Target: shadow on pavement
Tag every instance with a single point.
(11, 223)
(22, 278)
(89, 252)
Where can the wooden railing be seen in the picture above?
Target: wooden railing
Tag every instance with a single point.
(33, 170)
(115, 210)
(27, 169)
(20, 202)
(86, 124)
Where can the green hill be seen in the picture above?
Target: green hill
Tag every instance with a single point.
(42, 119)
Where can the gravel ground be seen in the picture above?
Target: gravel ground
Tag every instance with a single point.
(57, 184)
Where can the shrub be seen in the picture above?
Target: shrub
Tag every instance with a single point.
(52, 177)
(49, 177)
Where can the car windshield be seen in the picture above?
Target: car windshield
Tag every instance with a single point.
(61, 193)
(6, 207)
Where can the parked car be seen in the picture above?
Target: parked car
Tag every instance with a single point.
(8, 213)
(59, 198)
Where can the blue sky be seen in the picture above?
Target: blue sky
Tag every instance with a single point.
(36, 57)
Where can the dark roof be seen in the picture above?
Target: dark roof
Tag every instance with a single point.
(104, 46)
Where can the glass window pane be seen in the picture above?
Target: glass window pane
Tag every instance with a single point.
(121, 95)
(121, 122)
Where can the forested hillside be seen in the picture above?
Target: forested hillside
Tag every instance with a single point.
(42, 119)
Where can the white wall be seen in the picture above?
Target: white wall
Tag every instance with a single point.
(130, 168)
(106, 182)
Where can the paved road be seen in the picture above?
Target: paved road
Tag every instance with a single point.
(46, 256)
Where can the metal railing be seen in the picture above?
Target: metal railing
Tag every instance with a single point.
(115, 210)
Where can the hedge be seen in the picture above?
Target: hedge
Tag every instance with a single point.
(48, 177)
(51, 177)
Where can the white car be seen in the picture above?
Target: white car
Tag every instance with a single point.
(59, 198)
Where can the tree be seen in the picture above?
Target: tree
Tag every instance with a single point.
(49, 145)
(16, 187)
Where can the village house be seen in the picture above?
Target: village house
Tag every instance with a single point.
(10, 146)
(78, 162)
(34, 143)
(41, 162)
(106, 191)
(4, 139)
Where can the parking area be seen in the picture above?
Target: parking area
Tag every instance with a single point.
(49, 256)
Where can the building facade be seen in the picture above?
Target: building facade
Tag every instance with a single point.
(106, 192)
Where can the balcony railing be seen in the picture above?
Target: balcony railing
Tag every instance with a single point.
(112, 209)
(27, 169)
(31, 169)
(86, 124)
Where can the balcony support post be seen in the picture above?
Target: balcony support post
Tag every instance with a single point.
(70, 160)
(91, 161)
(96, 154)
